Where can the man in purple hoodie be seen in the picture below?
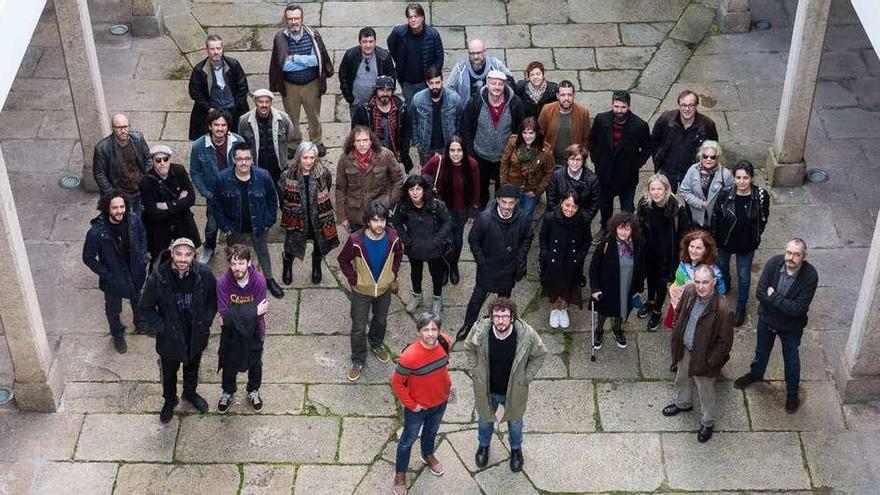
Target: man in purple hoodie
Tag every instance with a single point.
(242, 304)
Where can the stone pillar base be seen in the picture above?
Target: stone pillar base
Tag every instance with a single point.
(734, 16)
(147, 19)
(41, 396)
(784, 174)
(855, 389)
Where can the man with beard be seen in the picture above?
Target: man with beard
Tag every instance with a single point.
(242, 304)
(435, 114)
(414, 46)
(121, 160)
(178, 304)
(499, 241)
(268, 131)
(360, 67)
(217, 83)
(677, 135)
(470, 75)
(620, 144)
(370, 261)
(116, 250)
(565, 122)
(389, 118)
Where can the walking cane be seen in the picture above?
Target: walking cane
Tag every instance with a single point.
(592, 330)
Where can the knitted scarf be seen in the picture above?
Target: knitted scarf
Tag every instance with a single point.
(293, 212)
(536, 92)
(363, 159)
(392, 122)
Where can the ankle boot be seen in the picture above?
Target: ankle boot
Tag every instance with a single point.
(316, 270)
(740, 316)
(618, 333)
(437, 305)
(597, 333)
(453, 273)
(414, 303)
(287, 270)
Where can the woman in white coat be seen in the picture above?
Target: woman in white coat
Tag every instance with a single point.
(703, 182)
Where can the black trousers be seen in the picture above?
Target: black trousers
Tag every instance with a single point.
(255, 374)
(438, 271)
(478, 297)
(656, 276)
(488, 173)
(168, 369)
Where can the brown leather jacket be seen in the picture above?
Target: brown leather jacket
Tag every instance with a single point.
(713, 337)
(355, 190)
(535, 176)
(580, 124)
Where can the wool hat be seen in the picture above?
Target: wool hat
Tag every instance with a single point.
(182, 241)
(496, 74)
(507, 191)
(160, 148)
(264, 92)
(385, 82)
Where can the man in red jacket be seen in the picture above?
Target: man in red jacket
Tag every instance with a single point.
(422, 384)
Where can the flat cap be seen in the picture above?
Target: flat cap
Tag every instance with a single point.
(160, 148)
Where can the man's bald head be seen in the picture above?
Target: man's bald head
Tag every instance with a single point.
(477, 53)
(119, 123)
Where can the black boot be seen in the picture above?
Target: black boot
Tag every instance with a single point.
(274, 289)
(740, 317)
(618, 333)
(287, 270)
(453, 273)
(597, 334)
(316, 270)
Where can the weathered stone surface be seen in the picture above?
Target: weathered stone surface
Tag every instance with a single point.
(607, 79)
(626, 11)
(352, 399)
(663, 68)
(92, 357)
(16, 478)
(308, 359)
(693, 24)
(560, 406)
(364, 438)
(850, 123)
(462, 12)
(862, 417)
(462, 409)
(278, 398)
(324, 312)
(126, 437)
(455, 480)
(20, 124)
(376, 479)
(38, 156)
(574, 58)
(612, 363)
(772, 460)
(786, 222)
(257, 439)
(243, 37)
(465, 443)
(639, 34)
(623, 57)
(510, 36)
(848, 460)
(524, 11)
(155, 479)
(74, 478)
(519, 58)
(186, 31)
(153, 96)
(327, 480)
(575, 35)
(553, 367)
(556, 462)
(366, 13)
(819, 407)
(38, 94)
(499, 479)
(254, 14)
(38, 436)
(261, 479)
(637, 406)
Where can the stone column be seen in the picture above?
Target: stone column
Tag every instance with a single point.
(734, 16)
(785, 165)
(858, 372)
(39, 381)
(84, 77)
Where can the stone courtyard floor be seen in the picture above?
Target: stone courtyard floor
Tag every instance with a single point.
(590, 427)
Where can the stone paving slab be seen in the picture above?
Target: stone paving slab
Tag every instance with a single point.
(813, 365)
(211, 438)
(820, 407)
(499, 479)
(308, 359)
(557, 462)
(862, 417)
(367, 14)
(465, 444)
(363, 439)
(126, 437)
(378, 479)
(38, 436)
(462, 410)
(560, 406)
(263, 479)
(92, 358)
(637, 407)
(772, 460)
(327, 480)
(324, 312)
(74, 478)
(456, 480)
(848, 460)
(353, 399)
(626, 11)
(16, 478)
(663, 68)
(693, 23)
(612, 363)
(258, 14)
(463, 12)
(575, 35)
(554, 367)
(643, 34)
(160, 479)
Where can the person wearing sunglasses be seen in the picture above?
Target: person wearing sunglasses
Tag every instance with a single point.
(703, 183)
(360, 67)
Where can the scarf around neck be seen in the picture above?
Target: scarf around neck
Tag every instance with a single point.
(392, 122)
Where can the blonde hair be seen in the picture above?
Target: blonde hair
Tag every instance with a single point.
(646, 194)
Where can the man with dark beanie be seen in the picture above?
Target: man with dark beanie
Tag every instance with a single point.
(499, 240)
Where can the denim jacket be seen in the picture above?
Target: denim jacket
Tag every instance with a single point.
(423, 114)
(226, 203)
(203, 163)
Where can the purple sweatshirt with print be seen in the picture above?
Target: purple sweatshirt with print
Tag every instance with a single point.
(229, 292)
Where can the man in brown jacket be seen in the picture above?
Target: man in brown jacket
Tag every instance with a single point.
(366, 172)
(702, 337)
(565, 122)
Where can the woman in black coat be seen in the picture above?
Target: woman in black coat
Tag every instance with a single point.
(425, 227)
(535, 90)
(168, 196)
(617, 273)
(662, 223)
(565, 240)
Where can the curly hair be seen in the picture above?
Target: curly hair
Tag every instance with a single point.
(105, 199)
(502, 303)
(623, 218)
(375, 142)
(711, 255)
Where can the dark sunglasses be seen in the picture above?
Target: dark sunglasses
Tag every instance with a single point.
(159, 159)
(367, 64)
(709, 157)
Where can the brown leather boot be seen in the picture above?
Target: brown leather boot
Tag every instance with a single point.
(400, 483)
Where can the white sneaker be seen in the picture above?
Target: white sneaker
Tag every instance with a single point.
(563, 318)
(206, 256)
(554, 318)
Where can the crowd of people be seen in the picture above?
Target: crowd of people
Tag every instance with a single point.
(489, 147)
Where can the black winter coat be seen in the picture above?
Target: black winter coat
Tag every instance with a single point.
(674, 147)
(587, 188)
(424, 230)
(564, 244)
(531, 108)
(163, 226)
(605, 276)
(103, 257)
(724, 217)
(786, 313)
(349, 66)
(500, 247)
(158, 311)
(618, 168)
(662, 230)
(200, 82)
(238, 337)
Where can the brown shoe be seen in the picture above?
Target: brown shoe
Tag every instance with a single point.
(355, 372)
(434, 465)
(399, 483)
(381, 354)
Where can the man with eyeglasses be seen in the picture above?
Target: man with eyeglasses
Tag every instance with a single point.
(470, 75)
(360, 67)
(121, 160)
(414, 46)
(677, 135)
(504, 355)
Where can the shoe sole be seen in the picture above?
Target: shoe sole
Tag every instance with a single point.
(222, 411)
(622, 346)
(676, 412)
(597, 347)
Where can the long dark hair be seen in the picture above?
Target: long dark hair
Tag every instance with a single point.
(348, 145)
(105, 199)
(412, 181)
(446, 163)
(531, 123)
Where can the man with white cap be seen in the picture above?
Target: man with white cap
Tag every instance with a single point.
(488, 121)
(168, 196)
(267, 130)
(179, 303)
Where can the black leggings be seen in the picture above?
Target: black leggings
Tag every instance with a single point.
(438, 271)
(656, 285)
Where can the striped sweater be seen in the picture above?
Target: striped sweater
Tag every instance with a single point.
(422, 376)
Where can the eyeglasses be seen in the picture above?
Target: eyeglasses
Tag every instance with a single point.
(709, 157)
(160, 159)
(687, 105)
(120, 127)
(501, 317)
(477, 53)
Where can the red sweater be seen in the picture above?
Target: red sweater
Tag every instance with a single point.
(422, 376)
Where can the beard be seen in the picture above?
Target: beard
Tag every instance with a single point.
(435, 93)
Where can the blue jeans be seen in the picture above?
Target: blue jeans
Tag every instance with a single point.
(427, 420)
(514, 428)
(527, 205)
(211, 229)
(410, 89)
(790, 355)
(743, 274)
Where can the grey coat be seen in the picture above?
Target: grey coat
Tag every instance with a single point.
(692, 192)
(282, 130)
